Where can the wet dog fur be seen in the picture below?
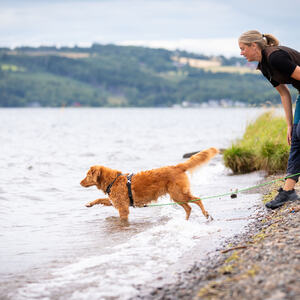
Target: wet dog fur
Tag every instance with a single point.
(148, 186)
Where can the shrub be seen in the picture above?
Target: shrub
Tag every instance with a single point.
(263, 147)
(274, 157)
(239, 160)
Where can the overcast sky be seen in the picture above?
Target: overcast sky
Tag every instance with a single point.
(203, 26)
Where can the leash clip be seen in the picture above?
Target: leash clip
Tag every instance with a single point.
(234, 195)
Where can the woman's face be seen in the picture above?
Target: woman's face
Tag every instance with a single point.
(250, 52)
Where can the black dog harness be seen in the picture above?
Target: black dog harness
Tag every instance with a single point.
(111, 184)
(108, 189)
(129, 189)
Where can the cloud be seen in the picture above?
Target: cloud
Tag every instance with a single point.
(227, 47)
(196, 24)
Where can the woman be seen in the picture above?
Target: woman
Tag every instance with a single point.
(281, 66)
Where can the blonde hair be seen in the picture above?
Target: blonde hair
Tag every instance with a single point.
(262, 40)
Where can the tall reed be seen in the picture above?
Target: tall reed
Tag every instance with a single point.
(263, 147)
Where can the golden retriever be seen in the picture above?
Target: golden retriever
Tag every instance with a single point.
(147, 186)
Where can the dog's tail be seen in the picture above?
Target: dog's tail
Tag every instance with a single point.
(198, 159)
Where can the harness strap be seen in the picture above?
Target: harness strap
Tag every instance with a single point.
(111, 184)
(129, 189)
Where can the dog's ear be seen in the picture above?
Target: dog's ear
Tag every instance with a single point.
(96, 173)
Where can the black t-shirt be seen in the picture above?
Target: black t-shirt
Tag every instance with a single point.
(281, 61)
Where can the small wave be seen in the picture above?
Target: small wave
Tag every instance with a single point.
(135, 262)
(88, 154)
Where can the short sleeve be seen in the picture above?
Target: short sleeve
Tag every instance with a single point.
(282, 62)
(274, 83)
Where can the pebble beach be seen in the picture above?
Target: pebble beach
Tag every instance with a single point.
(261, 263)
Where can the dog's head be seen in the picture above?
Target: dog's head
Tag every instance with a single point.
(92, 176)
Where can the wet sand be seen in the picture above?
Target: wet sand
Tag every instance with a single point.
(261, 263)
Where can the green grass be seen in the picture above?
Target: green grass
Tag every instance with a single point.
(263, 147)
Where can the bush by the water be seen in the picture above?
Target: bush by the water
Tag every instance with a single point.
(263, 147)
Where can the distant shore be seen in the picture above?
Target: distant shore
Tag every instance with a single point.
(262, 263)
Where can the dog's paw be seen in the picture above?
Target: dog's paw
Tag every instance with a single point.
(210, 218)
(89, 205)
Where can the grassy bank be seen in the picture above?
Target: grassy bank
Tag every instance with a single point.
(263, 147)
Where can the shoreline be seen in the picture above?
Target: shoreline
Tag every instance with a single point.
(261, 263)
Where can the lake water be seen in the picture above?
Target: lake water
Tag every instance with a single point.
(53, 247)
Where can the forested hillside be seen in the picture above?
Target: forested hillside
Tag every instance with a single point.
(109, 75)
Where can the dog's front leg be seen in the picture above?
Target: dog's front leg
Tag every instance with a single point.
(103, 201)
(123, 212)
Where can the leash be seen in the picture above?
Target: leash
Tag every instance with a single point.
(232, 194)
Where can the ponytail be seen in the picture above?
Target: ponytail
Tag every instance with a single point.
(262, 40)
(271, 40)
